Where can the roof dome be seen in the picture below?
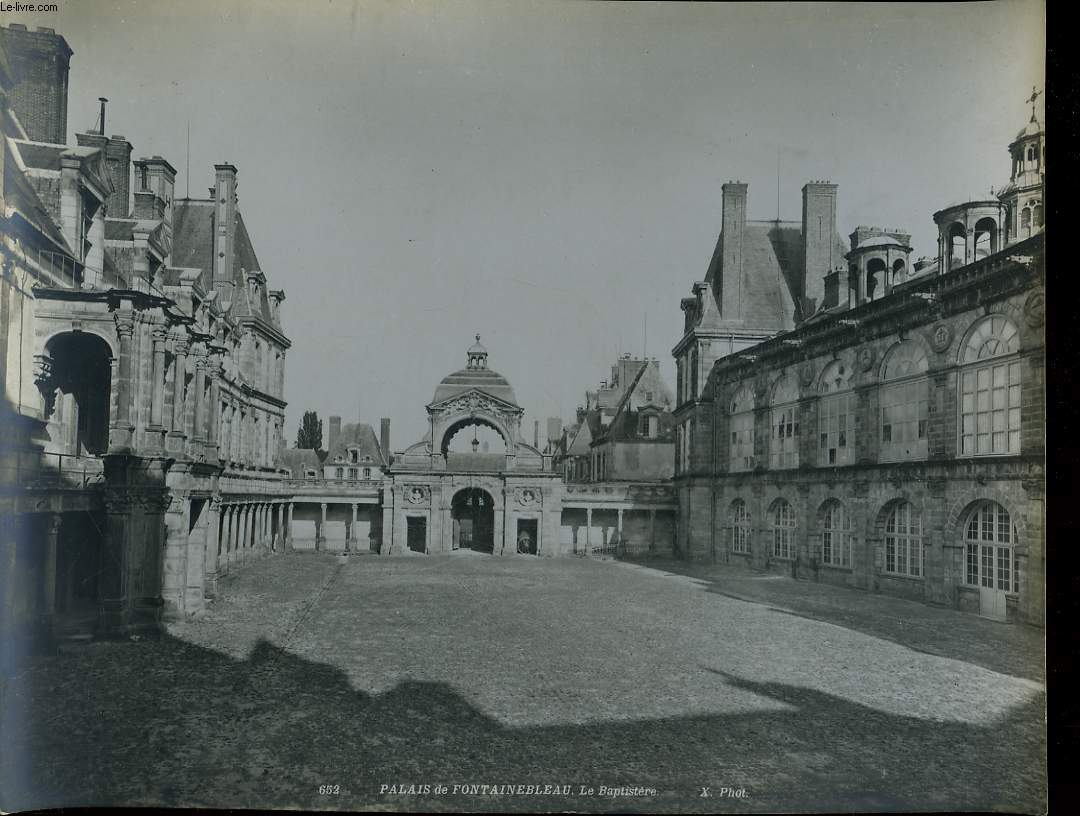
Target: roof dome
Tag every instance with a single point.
(1032, 128)
(476, 375)
(879, 240)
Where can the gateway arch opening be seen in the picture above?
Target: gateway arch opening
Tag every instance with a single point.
(473, 512)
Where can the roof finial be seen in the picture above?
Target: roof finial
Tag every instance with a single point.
(478, 338)
(1034, 95)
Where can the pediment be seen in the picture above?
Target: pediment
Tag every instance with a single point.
(474, 401)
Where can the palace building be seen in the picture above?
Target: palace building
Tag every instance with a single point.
(892, 437)
(142, 357)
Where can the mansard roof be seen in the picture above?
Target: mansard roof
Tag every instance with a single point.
(771, 275)
(357, 435)
(193, 246)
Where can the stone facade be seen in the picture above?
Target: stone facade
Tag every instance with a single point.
(894, 440)
(143, 375)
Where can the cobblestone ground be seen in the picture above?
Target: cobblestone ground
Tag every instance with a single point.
(472, 670)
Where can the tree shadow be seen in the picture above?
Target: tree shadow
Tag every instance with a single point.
(169, 723)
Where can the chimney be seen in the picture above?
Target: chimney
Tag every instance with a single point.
(118, 161)
(224, 230)
(731, 250)
(536, 434)
(335, 432)
(40, 98)
(819, 246)
(384, 438)
(148, 206)
(554, 430)
(159, 177)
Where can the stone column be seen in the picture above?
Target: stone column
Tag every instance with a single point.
(288, 528)
(652, 529)
(120, 434)
(245, 532)
(215, 409)
(47, 608)
(588, 532)
(200, 397)
(157, 389)
(225, 556)
(176, 435)
(351, 537)
(279, 538)
(619, 532)
(174, 574)
(210, 560)
(320, 534)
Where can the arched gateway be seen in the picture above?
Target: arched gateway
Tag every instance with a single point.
(473, 483)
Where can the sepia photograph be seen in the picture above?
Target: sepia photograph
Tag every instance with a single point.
(526, 406)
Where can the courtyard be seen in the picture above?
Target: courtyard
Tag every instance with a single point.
(321, 682)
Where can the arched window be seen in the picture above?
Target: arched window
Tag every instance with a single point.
(1025, 222)
(836, 416)
(903, 541)
(899, 272)
(986, 237)
(1036, 216)
(741, 423)
(739, 523)
(875, 278)
(835, 535)
(784, 441)
(990, 389)
(957, 246)
(989, 537)
(783, 527)
(904, 401)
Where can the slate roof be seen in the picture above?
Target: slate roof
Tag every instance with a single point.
(359, 435)
(297, 460)
(482, 379)
(193, 246)
(772, 268)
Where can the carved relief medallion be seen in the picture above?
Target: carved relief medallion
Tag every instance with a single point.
(866, 357)
(941, 337)
(417, 494)
(527, 497)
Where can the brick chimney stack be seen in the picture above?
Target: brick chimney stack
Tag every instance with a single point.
(731, 248)
(224, 230)
(39, 59)
(819, 246)
(384, 437)
(335, 432)
(159, 177)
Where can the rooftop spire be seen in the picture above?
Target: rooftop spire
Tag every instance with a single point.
(1034, 95)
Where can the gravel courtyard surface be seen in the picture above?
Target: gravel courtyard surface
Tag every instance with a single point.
(386, 678)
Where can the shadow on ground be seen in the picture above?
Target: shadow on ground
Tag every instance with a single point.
(170, 723)
(1012, 649)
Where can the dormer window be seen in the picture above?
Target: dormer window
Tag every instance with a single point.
(354, 456)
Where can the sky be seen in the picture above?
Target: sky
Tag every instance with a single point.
(546, 175)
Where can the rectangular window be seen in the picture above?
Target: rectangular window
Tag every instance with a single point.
(836, 429)
(742, 442)
(990, 410)
(904, 418)
(740, 539)
(782, 537)
(784, 448)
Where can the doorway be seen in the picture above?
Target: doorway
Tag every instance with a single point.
(416, 533)
(528, 541)
(473, 513)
